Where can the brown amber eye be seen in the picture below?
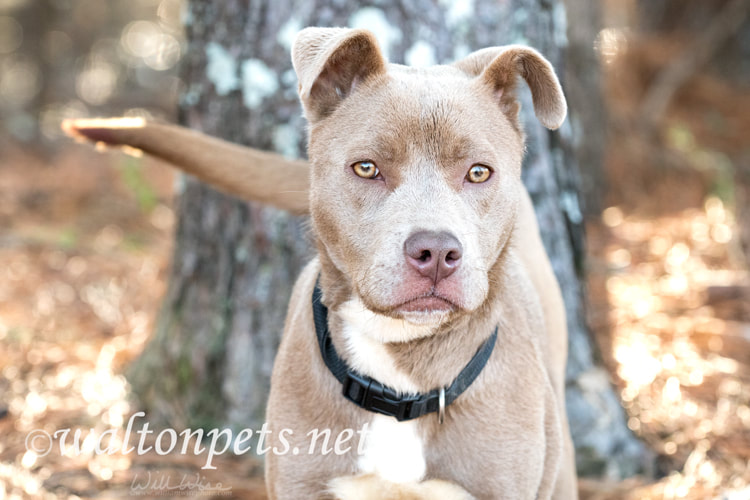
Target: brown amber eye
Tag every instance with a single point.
(366, 169)
(478, 173)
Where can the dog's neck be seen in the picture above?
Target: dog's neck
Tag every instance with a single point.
(433, 356)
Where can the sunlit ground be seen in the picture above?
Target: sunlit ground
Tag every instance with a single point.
(84, 262)
(84, 266)
(680, 344)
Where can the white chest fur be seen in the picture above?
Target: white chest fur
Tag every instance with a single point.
(393, 450)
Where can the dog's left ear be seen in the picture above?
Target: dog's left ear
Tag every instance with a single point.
(498, 69)
(330, 63)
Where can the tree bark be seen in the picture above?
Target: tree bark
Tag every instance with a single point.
(586, 102)
(235, 263)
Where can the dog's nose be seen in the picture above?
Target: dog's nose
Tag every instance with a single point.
(434, 255)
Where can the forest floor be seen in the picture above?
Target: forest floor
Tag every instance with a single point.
(85, 250)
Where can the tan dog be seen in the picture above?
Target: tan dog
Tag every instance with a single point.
(427, 244)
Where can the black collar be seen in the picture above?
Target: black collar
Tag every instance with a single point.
(373, 396)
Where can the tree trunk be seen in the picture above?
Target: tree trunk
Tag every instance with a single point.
(19, 114)
(585, 100)
(234, 263)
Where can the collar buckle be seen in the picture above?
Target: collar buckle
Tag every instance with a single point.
(374, 396)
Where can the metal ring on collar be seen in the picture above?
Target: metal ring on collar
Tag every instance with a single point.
(441, 405)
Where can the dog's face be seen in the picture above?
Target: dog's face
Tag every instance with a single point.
(416, 172)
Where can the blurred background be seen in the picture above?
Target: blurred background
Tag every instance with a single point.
(86, 238)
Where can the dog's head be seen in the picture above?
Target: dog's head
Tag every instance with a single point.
(415, 172)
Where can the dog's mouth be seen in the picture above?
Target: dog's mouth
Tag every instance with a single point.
(430, 303)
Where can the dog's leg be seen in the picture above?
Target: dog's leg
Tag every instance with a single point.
(554, 448)
(244, 172)
(566, 487)
(370, 487)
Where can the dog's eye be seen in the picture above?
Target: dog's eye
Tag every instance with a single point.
(478, 173)
(366, 169)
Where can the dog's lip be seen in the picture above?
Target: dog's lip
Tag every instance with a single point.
(426, 303)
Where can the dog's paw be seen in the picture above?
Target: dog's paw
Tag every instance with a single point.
(371, 487)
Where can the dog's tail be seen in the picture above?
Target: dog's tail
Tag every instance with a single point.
(244, 172)
(371, 487)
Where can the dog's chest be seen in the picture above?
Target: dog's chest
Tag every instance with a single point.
(393, 450)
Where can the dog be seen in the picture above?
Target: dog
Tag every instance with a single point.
(431, 316)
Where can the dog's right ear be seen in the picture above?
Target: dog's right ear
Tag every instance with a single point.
(330, 63)
(498, 67)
